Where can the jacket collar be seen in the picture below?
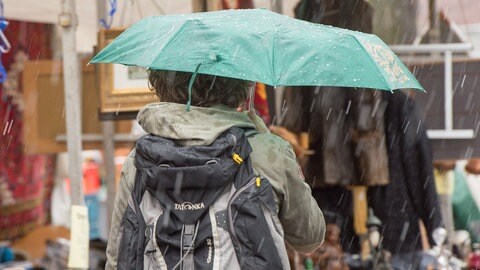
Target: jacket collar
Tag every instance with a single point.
(200, 126)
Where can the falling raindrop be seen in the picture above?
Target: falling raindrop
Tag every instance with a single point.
(403, 234)
(477, 127)
(419, 124)
(340, 200)
(6, 128)
(166, 249)
(178, 182)
(284, 105)
(406, 127)
(348, 107)
(312, 106)
(314, 180)
(260, 245)
(469, 152)
(463, 80)
(166, 216)
(10, 126)
(328, 114)
(117, 110)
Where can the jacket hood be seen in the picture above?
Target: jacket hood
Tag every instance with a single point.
(200, 126)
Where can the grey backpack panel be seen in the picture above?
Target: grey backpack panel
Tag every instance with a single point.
(200, 207)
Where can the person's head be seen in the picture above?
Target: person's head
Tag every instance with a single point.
(207, 90)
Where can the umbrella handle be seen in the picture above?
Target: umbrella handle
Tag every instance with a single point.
(190, 85)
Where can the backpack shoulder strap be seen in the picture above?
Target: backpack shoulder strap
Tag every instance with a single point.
(251, 132)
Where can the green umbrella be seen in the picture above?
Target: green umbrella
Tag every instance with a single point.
(262, 46)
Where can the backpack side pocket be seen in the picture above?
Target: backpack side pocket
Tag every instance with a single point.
(127, 253)
(276, 230)
(253, 229)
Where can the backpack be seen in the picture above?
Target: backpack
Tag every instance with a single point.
(200, 207)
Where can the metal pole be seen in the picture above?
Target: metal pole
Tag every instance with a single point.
(79, 231)
(72, 84)
(277, 6)
(432, 47)
(108, 145)
(434, 35)
(448, 91)
(199, 5)
(109, 156)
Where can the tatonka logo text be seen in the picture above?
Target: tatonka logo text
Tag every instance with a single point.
(189, 206)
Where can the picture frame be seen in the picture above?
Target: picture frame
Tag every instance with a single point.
(123, 90)
(44, 113)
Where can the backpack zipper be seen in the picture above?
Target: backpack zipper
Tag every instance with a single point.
(230, 218)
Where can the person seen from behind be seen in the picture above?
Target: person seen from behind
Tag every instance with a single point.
(214, 110)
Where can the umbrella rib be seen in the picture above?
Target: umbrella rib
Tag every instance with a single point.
(172, 37)
(374, 64)
(277, 28)
(272, 63)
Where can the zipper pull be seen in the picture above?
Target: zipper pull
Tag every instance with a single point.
(258, 181)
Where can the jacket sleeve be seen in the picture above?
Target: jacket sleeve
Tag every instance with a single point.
(301, 218)
(127, 179)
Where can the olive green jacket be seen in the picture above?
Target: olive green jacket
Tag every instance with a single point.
(272, 157)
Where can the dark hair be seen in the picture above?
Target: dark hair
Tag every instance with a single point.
(207, 90)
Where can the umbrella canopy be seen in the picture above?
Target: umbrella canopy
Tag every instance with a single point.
(259, 45)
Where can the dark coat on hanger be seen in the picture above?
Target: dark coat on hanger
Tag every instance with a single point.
(412, 194)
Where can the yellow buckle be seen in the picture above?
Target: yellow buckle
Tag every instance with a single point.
(237, 158)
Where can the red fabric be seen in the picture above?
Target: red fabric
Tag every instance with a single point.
(237, 4)
(261, 104)
(26, 175)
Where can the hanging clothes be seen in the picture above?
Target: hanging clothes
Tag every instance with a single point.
(321, 112)
(410, 195)
(346, 133)
(368, 137)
